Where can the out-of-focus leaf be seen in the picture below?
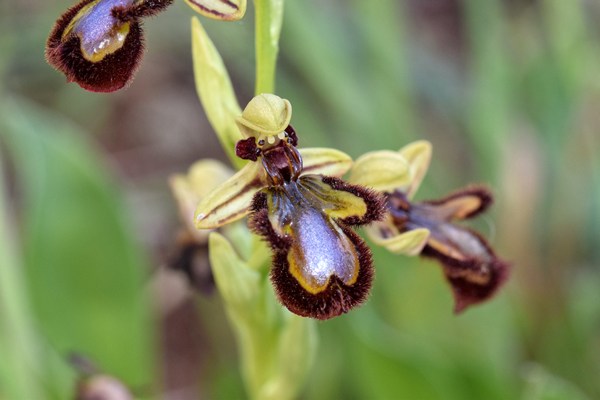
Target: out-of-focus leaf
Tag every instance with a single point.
(18, 364)
(84, 269)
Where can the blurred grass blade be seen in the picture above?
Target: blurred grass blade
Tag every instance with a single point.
(84, 269)
(19, 361)
(269, 17)
(215, 91)
(488, 111)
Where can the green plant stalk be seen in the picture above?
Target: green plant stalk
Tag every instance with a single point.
(18, 376)
(268, 21)
(255, 343)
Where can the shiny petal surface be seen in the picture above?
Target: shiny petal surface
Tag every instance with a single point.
(99, 56)
(231, 200)
(99, 43)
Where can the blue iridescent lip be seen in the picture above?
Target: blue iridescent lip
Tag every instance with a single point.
(319, 249)
(100, 32)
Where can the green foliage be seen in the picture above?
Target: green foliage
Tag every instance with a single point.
(83, 269)
(514, 105)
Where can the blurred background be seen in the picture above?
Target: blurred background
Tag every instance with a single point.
(508, 92)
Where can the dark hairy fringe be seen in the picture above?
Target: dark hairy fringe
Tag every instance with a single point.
(146, 8)
(467, 292)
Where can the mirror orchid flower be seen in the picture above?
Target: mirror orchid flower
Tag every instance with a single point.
(429, 228)
(98, 44)
(320, 267)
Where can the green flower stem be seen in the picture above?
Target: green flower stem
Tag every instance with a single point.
(268, 21)
(276, 347)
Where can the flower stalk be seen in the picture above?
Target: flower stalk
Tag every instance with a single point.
(268, 21)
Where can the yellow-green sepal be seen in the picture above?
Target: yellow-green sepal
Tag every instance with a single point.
(231, 200)
(215, 91)
(384, 171)
(222, 10)
(418, 156)
(325, 161)
(409, 243)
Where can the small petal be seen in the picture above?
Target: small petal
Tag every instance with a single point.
(325, 161)
(224, 10)
(462, 204)
(418, 156)
(231, 200)
(410, 243)
(384, 171)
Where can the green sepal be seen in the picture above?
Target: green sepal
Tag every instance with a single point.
(384, 171)
(215, 91)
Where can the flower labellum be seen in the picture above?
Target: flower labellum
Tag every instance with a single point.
(98, 43)
(321, 267)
